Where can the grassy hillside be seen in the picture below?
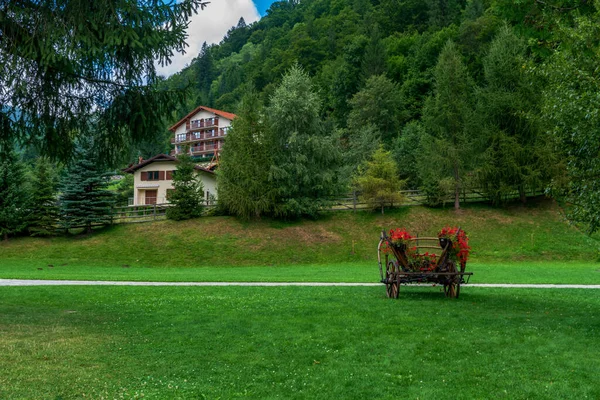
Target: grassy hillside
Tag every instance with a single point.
(537, 232)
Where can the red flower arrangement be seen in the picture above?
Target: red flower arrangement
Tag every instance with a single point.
(460, 243)
(400, 236)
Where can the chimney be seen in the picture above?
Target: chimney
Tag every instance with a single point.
(140, 159)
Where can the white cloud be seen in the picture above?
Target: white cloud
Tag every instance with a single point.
(210, 26)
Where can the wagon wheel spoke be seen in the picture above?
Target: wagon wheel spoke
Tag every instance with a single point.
(391, 286)
(452, 284)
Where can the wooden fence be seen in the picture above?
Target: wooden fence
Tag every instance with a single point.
(147, 213)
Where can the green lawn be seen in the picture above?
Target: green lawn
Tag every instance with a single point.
(297, 342)
(512, 244)
(484, 272)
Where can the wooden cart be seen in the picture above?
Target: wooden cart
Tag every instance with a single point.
(398, 270)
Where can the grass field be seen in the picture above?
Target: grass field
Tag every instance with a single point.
(322, 343)
(301, 342)
(341, 246)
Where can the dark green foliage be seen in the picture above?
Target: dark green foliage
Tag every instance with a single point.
(186, 199)
(124, 190)
(513, 157)
(302, 174)
(377, 180)
(378, 105)
(64, 62)
(13, 195)
(43, 216)
(407, 151)
(571, 112)
(244, 187)
(448, 148)
(85, 200)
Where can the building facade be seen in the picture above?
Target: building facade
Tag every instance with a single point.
(201, 132)
(153, 180)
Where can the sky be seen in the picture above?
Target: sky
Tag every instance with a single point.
(211, 25)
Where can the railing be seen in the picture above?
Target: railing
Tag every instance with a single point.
(203, 123)
(417, 197)
(144, 213)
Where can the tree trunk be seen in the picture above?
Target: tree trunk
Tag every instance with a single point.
(456, 189)
(88, 228)
(382, 208)
(522, 194)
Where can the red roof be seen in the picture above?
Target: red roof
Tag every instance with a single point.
(224, 114)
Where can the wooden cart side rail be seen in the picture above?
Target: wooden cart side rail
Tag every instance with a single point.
(434, 273)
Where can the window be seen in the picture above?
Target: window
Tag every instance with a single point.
(197, 135)
(180, 137)
(153, 175)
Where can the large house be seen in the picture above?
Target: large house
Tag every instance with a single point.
(201, 132)
(153, 180)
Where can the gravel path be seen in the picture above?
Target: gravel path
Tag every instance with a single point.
(40, 282)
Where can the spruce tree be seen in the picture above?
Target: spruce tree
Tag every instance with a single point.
(85, 200)
(244, 188)
(513, 156)
(303, 173)
(87, 59)
(186, 199)
(43, 218)
(448, 146)
(13, 195)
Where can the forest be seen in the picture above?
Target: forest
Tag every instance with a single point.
(446, 95)
(498, 95)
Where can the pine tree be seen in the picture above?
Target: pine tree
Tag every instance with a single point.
(303, 173)
(448, 147)
(186, 199)
(13, 196)
(378, 181)
(513, 158)
(87, 59)
(44, 209)
(244, 188)
(85, 200)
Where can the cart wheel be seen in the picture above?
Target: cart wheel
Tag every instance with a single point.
(392, 288)
(452, 285)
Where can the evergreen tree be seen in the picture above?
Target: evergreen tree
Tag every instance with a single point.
(206, 71)
(407, 151)
(303, 172)
(448, 148)
(85, 199)
(244, 187)
(87, 59)
(124, 190)
(357, 148)
(186, 199)
(377, 104)
(378, 181)
(571, 114)
(44, 209)
(514, 157)
(13, 196)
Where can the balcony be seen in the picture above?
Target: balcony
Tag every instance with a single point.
(203, 123)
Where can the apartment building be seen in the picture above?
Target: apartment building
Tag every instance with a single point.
(201, 132)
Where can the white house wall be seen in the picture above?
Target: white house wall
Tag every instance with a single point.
(208, 179)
